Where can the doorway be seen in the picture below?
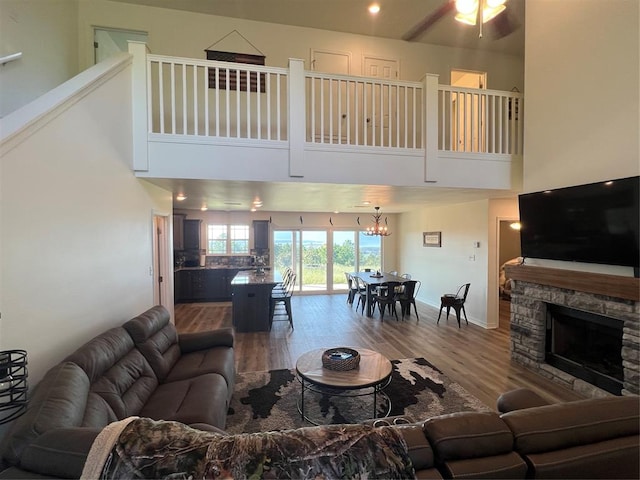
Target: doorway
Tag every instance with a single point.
(162, 288)
(508, 254)
(109, 41)
(468, 111)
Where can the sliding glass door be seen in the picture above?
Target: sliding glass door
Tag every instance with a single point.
(321, 257)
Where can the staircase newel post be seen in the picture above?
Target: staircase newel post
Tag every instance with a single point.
(139, 106)
(297, 116)
(430, 126)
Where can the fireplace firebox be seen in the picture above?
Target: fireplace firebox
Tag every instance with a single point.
(585, 345)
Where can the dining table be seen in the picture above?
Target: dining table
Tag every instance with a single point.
(373, 280)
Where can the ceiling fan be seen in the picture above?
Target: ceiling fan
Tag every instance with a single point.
(470, 12)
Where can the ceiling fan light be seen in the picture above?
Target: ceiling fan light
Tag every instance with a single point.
(466, 18)
(466, 6)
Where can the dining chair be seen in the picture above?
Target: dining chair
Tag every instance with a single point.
(408, 297)
(361, 292)
(353, 288)
(386, 297)
(406, 275)
(394, 273)
(455, 301)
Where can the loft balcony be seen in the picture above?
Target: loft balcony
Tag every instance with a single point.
(229, 121)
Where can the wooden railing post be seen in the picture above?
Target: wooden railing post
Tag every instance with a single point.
(139, 106)
(297, 116)
(430, 126)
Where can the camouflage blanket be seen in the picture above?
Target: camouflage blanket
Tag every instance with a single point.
(144, 448)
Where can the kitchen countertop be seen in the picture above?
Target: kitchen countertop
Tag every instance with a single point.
(251, 278)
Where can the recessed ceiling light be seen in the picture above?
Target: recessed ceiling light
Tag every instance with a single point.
(204, 208)
(253, 209)
(180, 197)
(374, 8)
(366, 202)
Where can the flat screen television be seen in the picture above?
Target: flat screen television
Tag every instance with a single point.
(593, 223)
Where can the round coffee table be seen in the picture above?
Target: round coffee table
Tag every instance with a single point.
(372, 375)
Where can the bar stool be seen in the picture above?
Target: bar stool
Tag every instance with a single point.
(282, 297)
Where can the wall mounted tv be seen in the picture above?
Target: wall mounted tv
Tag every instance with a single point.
(594, 223)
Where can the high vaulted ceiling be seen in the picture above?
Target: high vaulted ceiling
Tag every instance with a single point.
(395, 19)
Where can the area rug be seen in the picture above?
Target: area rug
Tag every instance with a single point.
(265, 401)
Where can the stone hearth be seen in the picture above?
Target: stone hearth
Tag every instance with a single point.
(536, 287)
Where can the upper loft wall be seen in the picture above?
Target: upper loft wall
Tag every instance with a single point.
(582, 114)
(180, 33)
(46, 33)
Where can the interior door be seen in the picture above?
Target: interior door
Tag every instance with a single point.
(468, 111)
(382, 100)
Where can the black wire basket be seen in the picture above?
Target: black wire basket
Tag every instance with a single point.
(13, 384)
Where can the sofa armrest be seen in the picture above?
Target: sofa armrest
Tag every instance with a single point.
(519, 399)
(61, 452)
(192, 342)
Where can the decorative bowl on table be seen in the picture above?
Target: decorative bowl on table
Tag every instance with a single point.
(340, 359)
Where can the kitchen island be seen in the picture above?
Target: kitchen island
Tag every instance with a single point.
(250, 296)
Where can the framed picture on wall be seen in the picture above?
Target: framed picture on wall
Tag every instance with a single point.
(431, 239)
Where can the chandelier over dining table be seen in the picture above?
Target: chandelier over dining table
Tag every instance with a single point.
(378, 228)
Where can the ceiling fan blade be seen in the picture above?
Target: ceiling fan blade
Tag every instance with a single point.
(429, 20)
(503, 25)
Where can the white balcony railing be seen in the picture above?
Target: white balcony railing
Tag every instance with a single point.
(226, 102)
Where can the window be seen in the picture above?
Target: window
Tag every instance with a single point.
(239, 238)
(227, 239)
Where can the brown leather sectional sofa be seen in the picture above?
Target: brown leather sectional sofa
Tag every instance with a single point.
(145, 369)
(594, 438)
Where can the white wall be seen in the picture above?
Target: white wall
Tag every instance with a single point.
(76, 228)
(583, 92)
(180, 33)
(46, 33)
(442, 270)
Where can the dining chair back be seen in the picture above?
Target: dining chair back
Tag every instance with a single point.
(361, 293)
(408, 297)
(385, 297)
(455, 301)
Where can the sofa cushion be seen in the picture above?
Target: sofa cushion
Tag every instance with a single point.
(507, 465)
(465, 435)
(518, 399)
(121, 377)
(616, 458)
(57, 401)
(218, 360)
(565, 425)
(190, 401)
(61, 452)
(156, 338)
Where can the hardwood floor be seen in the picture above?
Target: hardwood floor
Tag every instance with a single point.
(476, 358)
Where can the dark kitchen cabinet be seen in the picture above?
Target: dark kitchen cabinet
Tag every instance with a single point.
(191, 232)
(261, 234)
(178, 231)
(203, 284)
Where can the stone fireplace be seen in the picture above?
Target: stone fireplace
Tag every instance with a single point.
(594, 316)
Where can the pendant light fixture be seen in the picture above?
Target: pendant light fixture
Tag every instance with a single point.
(377, 229)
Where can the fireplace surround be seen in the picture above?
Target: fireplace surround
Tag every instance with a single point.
(538, 291)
